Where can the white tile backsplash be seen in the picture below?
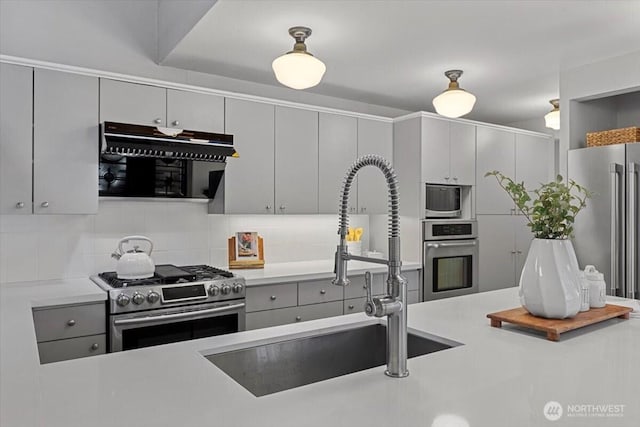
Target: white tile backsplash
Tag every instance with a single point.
(40, 247)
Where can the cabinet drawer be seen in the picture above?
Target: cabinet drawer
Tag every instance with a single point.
(271, 296)
(356, 286)
(283, 316)
(354, 305)
(413, 297)
(72, 348)
(69, 321)
(318, 291)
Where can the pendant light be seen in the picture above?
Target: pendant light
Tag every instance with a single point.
(552, 118)
(454, 102)
(298, 69)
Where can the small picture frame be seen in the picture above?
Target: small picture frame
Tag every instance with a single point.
(246, 250)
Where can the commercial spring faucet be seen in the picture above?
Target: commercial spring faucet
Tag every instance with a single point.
(393, 304)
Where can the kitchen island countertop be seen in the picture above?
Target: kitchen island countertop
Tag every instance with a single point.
(499, 377)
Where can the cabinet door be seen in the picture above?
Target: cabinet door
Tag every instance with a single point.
(337, 150)
(195, 111)
(132, 103)
(374, 137)
(16, 115)
(73, 348)
(65, 143)
(523, 236)
(462, 151)
(496, 253)
(296, 161)
(435, 151)
(249, 179)
(532, 160)
(496, 151)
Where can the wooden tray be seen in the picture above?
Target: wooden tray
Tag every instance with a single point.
(554, 327)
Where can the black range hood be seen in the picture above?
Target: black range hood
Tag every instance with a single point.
(148, 141)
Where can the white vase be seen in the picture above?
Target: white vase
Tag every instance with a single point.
(549, 284)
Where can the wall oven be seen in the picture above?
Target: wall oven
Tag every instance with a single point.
(443, 201)
(450, 259)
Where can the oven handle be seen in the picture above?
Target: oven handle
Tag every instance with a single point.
(451, 245)
(186, 315)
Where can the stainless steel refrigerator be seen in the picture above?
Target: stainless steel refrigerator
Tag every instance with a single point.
(606, 233)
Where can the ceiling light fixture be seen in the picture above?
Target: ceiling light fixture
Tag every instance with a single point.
(454, 102)
(552, 118)
(298, 69)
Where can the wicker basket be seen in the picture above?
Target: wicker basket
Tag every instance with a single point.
(615, 136)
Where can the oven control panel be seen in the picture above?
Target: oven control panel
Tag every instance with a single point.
(447, 230)
(138, 298)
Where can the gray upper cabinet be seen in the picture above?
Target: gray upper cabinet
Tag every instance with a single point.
(132, 103)
(462, 153)
(448, 152)
(374, 137)
(296, 161)
(435, 151)
(16, 114)
(249, 179)
(496, 151)
(195, 111)
(532, 163)
(338, 148)
(65, 143)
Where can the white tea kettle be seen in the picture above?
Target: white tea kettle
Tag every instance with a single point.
(134, 263)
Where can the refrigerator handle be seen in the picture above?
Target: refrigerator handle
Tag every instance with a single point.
(632, 225)
(616, 170)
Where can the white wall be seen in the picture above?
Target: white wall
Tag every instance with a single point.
(43, 247)
(122, 37)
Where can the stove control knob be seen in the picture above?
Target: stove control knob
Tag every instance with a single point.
(153, 297)
(214, 290)
(138, 298)
(237, 288)
(226, 289)
(122, 300)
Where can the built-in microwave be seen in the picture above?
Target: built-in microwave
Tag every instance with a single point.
(442, 201)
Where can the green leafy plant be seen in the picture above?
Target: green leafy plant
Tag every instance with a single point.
(552, 212)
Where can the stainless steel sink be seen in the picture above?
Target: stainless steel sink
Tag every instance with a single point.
(277, 366)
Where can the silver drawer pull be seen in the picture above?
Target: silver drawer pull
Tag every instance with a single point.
(71, 322)
(322, 291)
(20, 205)
(272, 297)
(44, 204)
(298, 318)
(94, 346)
(351, 307)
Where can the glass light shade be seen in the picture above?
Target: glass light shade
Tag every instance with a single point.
(298, 70)
(454, 103)
(552, 119)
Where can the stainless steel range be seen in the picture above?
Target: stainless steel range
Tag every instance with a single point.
(176, 304)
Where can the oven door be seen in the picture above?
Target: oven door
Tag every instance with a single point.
(450, 268)
(163, 326)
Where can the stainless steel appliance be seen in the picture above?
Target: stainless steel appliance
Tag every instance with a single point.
(442, 201)
(449, 258)
(606, 232)
(147, 161)
(176, 304)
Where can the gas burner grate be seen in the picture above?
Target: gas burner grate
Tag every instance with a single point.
(112, 280)
(204, 272)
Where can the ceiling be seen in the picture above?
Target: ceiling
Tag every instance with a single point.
(394, 52)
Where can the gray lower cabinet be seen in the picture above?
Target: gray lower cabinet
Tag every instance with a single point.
(282, 316)
(280, 304)
(70, 331)
(72, 348)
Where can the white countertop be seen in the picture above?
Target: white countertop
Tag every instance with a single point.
(499, 377)
(309, 270)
